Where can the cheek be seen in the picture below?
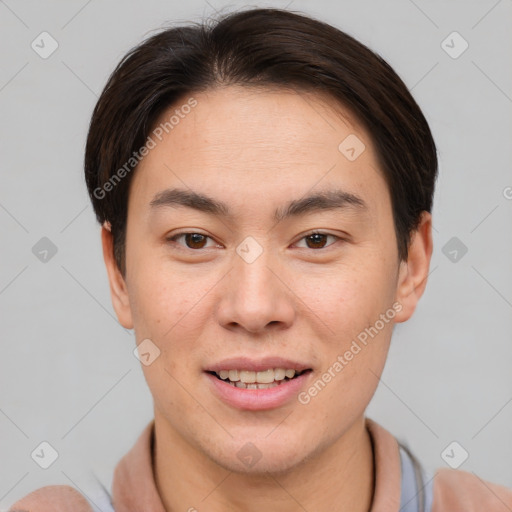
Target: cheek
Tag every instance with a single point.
(172, 310)
(348, 298)
(163, 311)
(160, 298)
(344, 386)
(348, 306)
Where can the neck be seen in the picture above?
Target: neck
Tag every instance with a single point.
(339, 478)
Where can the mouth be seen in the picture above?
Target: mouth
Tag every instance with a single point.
(256, 386)
(265, 379)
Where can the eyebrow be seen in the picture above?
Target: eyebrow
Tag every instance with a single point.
(324, 200)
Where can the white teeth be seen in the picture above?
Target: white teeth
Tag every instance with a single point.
(279, 373)
(240, 384)
(247, 376)
(233, 376)
(265, 377)
(268, 376)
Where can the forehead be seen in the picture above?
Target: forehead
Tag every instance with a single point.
(257, 117)
(266, 142)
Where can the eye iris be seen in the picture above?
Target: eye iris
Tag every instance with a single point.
(317, 238)
(195, 238)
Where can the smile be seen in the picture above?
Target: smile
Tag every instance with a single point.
(257, 395)
(246, 379)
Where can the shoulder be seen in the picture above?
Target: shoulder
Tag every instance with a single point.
(52, 498)
(461, 491)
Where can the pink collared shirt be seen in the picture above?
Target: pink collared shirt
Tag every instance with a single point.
(134, 489)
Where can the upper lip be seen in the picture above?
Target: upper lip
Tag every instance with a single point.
(257, 365)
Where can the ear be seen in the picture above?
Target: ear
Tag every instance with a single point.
(413, 273)
(118, 289)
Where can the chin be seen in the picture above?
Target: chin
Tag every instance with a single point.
(273, 463)
(261, 456)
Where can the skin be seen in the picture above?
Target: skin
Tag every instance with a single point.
(256, 150)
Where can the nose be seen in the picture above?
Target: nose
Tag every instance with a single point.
(256, 296)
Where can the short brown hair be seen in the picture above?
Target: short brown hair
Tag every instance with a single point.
(264, 47)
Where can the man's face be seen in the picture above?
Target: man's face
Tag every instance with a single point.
(251, 285)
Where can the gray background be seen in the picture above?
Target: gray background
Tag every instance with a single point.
(67, 372)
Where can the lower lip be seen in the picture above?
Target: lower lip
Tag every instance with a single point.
(258, 399)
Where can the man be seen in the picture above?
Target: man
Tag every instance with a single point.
(265, 190)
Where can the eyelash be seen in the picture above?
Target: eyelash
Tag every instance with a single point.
(177, 235)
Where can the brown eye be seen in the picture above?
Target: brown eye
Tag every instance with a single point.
(192, 240)
(195, 240)
(318, 240)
